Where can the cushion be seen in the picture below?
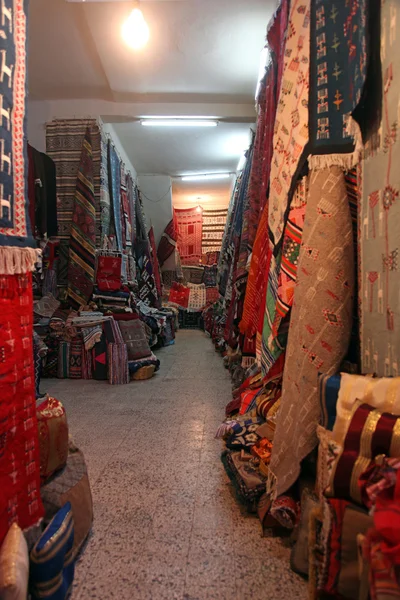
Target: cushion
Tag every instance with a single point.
(328, 451)
(53, 436)
(51, 560)
(246, 478)
(134, 335)
(14, 565)
(299, 558)
(369, 434)
(382, 393)
(243, 433)
(71, 485)
(329, 386)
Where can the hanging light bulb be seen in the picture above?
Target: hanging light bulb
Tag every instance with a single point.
(135, 30)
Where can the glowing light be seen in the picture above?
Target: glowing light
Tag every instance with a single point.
(199, 209)
(135, 30)
(177, 123)
(206, 177)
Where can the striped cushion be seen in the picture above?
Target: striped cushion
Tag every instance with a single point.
(370, 433)
(51, 560)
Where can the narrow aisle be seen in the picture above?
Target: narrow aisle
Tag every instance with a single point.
(166, 522)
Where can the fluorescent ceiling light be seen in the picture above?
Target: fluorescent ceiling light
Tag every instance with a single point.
(206, 177)
(178, 123)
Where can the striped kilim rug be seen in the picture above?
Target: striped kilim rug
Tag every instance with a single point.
(213, 229)
(83, 237)
(64, 139)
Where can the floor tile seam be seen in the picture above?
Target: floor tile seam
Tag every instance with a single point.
(193, 518)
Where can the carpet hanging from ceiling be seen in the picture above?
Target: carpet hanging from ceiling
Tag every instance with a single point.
(214, 222)
(19, 444)
(189, 223)
(105, 202)
(82, 247)
(379, 222)
(291, 124)
(114, 174)
(168, 242)
(64, 140)
(318, 339)
(338, 68)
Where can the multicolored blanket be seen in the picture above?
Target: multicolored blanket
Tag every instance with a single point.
(213, 229)
(189, 225)
(83, 236)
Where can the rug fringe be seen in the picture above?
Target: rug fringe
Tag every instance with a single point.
(17, 261)
(345, 161)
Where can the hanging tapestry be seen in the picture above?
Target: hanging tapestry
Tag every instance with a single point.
(318, 338)
(291, 124)
(108, 274)
(83, 237)
(167, 243)
(19, 444)
(156, 266)
(64, 140)
(197, 296)
(126, 220)
(189, 226)
(105, 202)
(379, 221)
(114, 174)
(282, 282)
(214, 222)
(15, 230)
(338, 67)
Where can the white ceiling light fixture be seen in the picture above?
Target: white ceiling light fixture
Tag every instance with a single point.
(135, 31)
(206, 177)
(173, 122)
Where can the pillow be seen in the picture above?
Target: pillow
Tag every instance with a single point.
(329, 386)
(369, 434)
(383, 393)
(134, 335)
(51, 560)
(71, 486)
(53, 437)
(328, 451)
(14, 565)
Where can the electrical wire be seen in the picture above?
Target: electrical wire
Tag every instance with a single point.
(155, 201)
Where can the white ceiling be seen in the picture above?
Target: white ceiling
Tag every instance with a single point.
(202, 59)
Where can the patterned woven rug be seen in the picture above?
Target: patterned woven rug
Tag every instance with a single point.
(114, 174)
(379, 222)
(64, 141)
(19, 444)
(168, 242)
(189, 225)
(214, 222)
(105, 202)
(83, 238)
(14, 220)
(318, 339)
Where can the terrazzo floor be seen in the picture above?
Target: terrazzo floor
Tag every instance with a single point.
(167, 525)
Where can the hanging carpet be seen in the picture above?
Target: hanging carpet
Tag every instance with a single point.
(114, 174)
(318, 338)
(213, 229)
(105, 201)
(64, 140)
(83, 237)
(168, 242)
(19, 444)
(189, 225)
(379, 221)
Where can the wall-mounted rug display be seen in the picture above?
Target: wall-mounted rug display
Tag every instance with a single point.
(189, 225)
(213, 229)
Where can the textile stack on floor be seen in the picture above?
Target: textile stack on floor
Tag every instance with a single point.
(103, 266)
(308, 277)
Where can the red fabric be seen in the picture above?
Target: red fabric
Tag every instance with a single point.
(156, 266)
(20, 500)
(125, 316)
(246, 399)
(109, 273)
(179, 294)
(337, 509)
(168, 242)
(190, 229)
(212, 295)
